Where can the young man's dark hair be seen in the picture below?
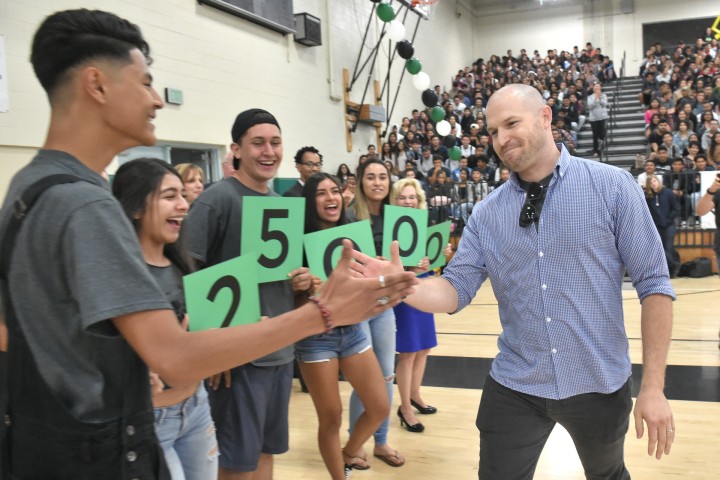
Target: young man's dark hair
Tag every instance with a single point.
(86, 319)
(299, 154)
(67, 39)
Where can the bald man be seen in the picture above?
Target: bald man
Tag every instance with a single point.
(555, 240)
(227, 165)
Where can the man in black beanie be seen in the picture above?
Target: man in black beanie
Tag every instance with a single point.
(250, 403)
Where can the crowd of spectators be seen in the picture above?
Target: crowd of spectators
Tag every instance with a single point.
(412, 148)
(681, 97)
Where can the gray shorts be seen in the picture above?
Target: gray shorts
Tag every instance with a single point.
(252, 415)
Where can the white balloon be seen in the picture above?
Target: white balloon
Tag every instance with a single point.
(421, 81)
(396, 30)
(442, 128)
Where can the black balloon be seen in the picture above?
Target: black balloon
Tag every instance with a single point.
(450, 141)
(405, 49)
(429, 98)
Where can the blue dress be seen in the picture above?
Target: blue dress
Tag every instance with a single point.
(415, 330)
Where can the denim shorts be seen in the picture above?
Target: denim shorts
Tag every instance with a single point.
(341, 342)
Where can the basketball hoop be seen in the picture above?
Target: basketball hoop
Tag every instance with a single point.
(424, 7)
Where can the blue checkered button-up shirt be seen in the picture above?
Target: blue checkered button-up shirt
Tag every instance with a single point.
(559, 286)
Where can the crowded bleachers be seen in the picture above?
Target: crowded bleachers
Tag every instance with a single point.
(413, 147)
(679, 98)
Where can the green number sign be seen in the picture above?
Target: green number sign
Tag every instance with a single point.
(273, 226)
(437, 237)
(323, 248)
(223, 295)
(409, 227)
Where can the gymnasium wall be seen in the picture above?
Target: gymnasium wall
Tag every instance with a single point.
(224, 65)
(599, 22)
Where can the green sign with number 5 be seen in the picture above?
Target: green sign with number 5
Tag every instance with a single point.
(273, 227)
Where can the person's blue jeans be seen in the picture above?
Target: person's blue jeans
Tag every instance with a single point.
(380, 329)
(187, 436)
(667, 235)
(514, 427)
(463, 210)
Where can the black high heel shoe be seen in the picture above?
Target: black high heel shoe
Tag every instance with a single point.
(429, 410)
(417, 428)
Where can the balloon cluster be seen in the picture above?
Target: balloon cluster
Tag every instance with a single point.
(421, 80)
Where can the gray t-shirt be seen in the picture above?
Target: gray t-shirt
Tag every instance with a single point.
(169, 279)
(212, 232)
(76, 265)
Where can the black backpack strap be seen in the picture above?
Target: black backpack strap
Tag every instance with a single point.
(21, 206)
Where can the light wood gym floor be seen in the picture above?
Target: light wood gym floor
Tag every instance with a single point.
(448, 449)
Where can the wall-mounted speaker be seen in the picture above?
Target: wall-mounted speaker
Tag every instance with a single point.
(307, 30)
(627, 6)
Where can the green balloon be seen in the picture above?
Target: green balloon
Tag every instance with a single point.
(413, 66)
(386, 12)
(437, 114)
(455, 153)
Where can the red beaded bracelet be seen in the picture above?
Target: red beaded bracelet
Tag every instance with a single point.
(324, 312)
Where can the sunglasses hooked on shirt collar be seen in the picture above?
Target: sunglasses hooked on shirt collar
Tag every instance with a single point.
(528, 214)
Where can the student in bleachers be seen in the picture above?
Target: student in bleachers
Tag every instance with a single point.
(461, 203)
(402, 155)
(342, 173)
(440, 197)
(597, 104)
(664, 210)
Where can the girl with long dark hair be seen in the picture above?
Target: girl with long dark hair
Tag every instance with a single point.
(347, 349)
(151, 193)
(371, 196)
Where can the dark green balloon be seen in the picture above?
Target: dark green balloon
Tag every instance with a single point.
(386, 12)
(455, 153)
(413, 66)
(437, 114)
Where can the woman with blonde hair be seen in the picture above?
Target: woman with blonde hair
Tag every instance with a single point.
(193, 180)
(415, 330)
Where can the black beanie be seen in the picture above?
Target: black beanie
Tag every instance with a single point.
(247, 119)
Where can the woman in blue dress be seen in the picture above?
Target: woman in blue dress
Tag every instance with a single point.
(415, 334)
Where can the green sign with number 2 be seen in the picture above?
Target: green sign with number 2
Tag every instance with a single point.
(223, 295)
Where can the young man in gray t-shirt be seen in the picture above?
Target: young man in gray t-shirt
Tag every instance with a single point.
(85, 317)
(251, 409)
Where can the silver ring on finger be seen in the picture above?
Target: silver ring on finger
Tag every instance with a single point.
(381, 279)
(382, 301)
